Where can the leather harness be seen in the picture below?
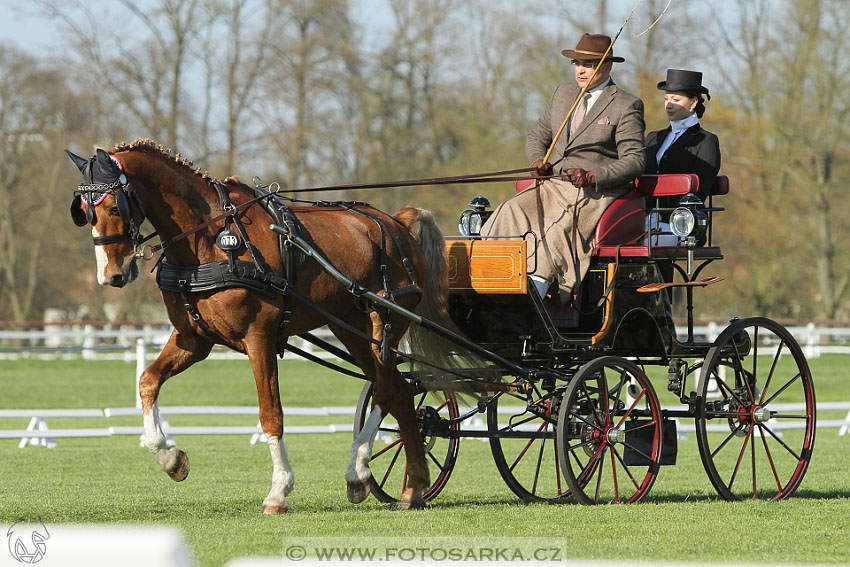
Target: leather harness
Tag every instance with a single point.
(256, 276)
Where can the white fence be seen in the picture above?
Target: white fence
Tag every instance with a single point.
(38, 432)
(136, 345)
(110, 343)
(92, 342)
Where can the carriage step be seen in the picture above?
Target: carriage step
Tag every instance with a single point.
(649, 288)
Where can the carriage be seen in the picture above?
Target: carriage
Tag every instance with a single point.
(581, 416)
(567, 394)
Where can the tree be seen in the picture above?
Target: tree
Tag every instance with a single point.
(139, 66)
(34, 109)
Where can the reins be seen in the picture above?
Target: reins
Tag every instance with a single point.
(148, 251)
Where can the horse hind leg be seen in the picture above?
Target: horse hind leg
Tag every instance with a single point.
(172, 360)
(358, 477)
(393, 395)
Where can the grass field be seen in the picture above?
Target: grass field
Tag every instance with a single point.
(112, 480)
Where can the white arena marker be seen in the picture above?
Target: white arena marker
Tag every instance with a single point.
(70, 545)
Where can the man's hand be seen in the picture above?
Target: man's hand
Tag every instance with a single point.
(540, 169)
(581, 177)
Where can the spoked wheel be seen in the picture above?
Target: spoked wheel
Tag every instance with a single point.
(524, 444)
(609, 432)
(756, 433)
(389, 464)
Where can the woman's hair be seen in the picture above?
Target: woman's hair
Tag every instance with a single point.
(700, 107)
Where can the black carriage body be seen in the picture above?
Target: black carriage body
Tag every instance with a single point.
(625, 323)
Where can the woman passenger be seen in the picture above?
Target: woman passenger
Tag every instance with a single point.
(684, 146)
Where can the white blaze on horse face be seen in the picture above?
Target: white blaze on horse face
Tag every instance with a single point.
(361, 449)
(283, 478)
(107, 268)
(102, 260)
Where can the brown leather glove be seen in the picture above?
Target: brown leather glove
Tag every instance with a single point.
(540, 169)
(581, 177)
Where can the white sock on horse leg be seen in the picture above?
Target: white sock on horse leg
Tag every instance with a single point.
(282, 476)
(361, 449)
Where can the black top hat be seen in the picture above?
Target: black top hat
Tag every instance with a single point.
(684, 81)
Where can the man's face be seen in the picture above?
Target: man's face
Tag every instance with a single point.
(584, 69)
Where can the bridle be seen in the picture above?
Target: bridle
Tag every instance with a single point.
(126, 199)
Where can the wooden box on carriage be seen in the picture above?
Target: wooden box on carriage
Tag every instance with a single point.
(487, 266)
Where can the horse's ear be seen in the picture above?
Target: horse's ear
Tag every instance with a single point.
(105, 162)
(77, 213)
(78, 161)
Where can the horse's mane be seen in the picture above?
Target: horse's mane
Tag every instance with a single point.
(148, 146)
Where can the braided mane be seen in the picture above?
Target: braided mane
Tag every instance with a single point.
(149, 146)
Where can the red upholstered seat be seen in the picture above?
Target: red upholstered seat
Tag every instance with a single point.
(623, 222)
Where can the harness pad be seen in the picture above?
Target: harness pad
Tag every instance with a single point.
(217, 275)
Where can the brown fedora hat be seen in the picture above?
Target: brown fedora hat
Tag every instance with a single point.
(592, 46)
(683, 81)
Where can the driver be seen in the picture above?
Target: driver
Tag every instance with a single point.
(599, 154)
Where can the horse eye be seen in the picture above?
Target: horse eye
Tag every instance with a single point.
(113, 210)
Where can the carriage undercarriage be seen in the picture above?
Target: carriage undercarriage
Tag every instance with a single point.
(588, 423)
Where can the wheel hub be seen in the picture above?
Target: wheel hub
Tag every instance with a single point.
(593, 438)
(615, 435)
(429, 425)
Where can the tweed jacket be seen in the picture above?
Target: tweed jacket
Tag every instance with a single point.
(695, 151)
(609, 141)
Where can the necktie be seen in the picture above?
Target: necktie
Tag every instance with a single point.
(579, 113)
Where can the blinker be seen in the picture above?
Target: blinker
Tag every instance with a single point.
(80, 217)
(123, 206)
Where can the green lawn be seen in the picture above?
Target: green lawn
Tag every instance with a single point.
(112, 480)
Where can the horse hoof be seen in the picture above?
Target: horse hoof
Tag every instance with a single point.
(181, 468)
(269, 510)
(358, 491)
(411, 504)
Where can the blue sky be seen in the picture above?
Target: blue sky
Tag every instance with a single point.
(22, 25)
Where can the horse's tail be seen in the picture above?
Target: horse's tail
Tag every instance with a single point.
(438, 351)
(435, 291)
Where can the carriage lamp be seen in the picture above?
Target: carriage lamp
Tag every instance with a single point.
(689, 223)
(687, 219)
(471, 220)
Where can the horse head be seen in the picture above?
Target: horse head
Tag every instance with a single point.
(115, 230)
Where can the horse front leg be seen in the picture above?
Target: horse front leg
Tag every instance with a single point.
(263, 359)
(179, 353)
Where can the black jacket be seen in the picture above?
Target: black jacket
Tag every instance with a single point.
(695, 151)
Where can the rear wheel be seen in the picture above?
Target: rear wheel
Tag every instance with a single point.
(609, 432)
(757, 432)
(389, 464)
(523, 444)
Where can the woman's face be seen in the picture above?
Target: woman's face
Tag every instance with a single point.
(679, 105)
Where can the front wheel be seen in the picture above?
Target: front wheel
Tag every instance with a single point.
(389, 464)
(609, 432)
(755, 420)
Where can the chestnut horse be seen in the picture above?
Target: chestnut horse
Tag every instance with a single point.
(135, 182)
